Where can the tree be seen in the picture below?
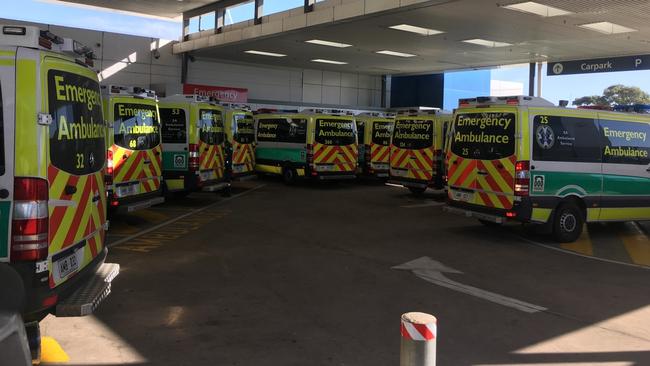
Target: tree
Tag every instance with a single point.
(615, 95)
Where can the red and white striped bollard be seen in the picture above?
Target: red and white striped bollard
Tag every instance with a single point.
(419, 334)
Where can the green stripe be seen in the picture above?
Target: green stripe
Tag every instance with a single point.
(5, 208)
(562, 184)
(294, 155)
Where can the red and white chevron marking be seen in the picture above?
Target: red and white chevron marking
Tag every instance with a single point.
(419, 332)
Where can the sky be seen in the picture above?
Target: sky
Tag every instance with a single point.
(554, 88)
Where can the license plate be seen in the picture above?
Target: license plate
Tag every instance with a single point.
(380, 166)
(463, 196)
(68, 264)
(325, 168)
(206, 175)
(238, 168)
(129, 190)
(399, 172)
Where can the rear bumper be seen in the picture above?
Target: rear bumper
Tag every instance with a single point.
(37, 286)
(214, 186)
(420, 184)
(240, 177)
(139, 202)
(474, 214)
(335, 176)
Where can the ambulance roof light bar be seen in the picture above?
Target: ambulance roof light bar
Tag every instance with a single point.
(516, 100)
(633, 108)
(134, 91)
(376, 114)
(415, 111)
(275, 111)
(238, 106)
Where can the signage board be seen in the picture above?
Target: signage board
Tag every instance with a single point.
(221, 93)
(598, 65)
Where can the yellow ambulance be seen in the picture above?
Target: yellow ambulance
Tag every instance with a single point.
(416, 149)
(524, 159)
(52, 158)
(134, 157)
(240, 138)
(375, 130)
(193, 145)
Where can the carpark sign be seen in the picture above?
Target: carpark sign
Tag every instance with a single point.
(598, 65)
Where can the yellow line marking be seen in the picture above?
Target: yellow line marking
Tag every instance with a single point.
(636, 243)
(582, 245)
(51, 351)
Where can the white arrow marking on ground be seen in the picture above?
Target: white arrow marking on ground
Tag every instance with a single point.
(432, 271)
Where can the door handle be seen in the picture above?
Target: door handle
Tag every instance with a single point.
(481, 172)
(147, 161)
(4, 193)
(96, 198)
(70, 190)
(157, 153)
(648, 170)
(124, 157)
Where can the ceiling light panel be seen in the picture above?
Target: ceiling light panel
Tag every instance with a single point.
(395, 53)
(264, 53)
(414, 29)
(321, 42)
(537, 9)
(332, 62)
(487, 43)
(607, 28)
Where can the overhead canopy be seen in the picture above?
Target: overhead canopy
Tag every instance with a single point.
(161, 8)
(521, 37)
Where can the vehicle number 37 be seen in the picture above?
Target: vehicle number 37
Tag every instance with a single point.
(80, 161)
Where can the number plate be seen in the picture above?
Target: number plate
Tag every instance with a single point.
(238, 168)
(207, 175)
(400, 172)
(325, 168)
(463, 196)
(68, 265)
(380, 166)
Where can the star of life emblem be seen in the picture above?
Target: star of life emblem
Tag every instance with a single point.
(545, 137)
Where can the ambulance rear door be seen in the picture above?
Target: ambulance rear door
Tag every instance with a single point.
(7, 110)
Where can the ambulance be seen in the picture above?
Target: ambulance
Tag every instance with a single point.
(52, 159)
(240, 136)
(523, 159)
(315, 144)
(416, 149)
(134, 157)
(375, 130)
(193, 145)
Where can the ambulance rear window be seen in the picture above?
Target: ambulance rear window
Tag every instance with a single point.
(174, 128)
(77, 131)
(211, 127)
(381, 132)
(338, 132)
(136, 126)
(413, 134)
(484, 136)
(244, 129)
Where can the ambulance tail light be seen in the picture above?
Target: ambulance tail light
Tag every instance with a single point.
(522, 178)
(193, 161)
(29, 228)
(109, 168)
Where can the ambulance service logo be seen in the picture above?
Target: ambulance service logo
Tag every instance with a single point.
(545, 137)
(538, 183)
(179, 161)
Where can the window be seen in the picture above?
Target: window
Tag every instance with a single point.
(136, 126)
(361, 131)
(244, 130)
(2, 136)
(77, 131)
(484, 136)
(381, 132)
(174, 130)
(288, 130)
(571, 139)
(240, 13)
(413, 134)
(211, 127)
(625, 142)
(207, 21)
(335, 132)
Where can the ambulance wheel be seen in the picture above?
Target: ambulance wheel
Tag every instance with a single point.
(417, 191)
(33, 331)
(567, 223)
(288, 175)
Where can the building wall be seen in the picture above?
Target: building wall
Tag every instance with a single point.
(128, 60)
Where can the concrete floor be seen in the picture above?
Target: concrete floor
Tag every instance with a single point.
(302, 276)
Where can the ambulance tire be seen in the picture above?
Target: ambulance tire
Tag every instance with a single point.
(33, 331)
(288, 175)
(417, 191)
(568, 222)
